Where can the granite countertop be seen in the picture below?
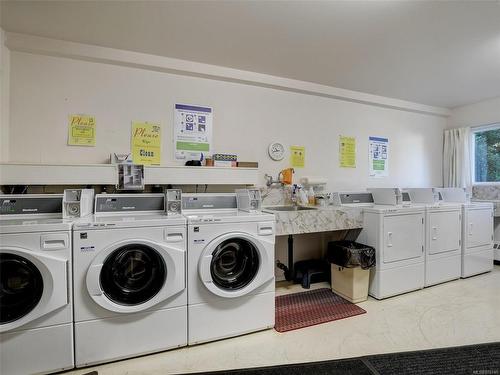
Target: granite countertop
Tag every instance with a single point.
(321, 219)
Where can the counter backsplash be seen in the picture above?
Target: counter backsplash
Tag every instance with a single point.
(486, 192)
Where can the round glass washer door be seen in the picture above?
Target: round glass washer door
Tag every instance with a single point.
(21, 287)
(235, 263)
(132, 274)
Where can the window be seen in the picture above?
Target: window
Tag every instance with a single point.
(486, 153)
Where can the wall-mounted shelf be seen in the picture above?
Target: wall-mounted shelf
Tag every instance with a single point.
(106, 174)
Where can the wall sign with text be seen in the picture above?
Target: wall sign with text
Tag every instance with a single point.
(146, 143)
(378, 154)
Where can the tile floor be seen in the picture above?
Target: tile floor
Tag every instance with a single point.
(456, 313)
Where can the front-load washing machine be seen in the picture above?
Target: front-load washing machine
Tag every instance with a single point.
(230, 268)
(36, 316)
(129, 279)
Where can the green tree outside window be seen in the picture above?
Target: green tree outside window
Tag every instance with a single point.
(487, 155)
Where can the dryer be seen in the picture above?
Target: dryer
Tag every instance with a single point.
(231, 287)
(477, 232)
(36, 316)
(443, 236)
(397, 232)
(129, 278)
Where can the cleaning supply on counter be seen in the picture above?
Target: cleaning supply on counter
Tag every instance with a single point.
(311, 198)
(286, 176)
(303, 196)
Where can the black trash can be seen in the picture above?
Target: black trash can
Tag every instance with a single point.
(350, 254)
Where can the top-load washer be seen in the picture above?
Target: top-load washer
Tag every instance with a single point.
(477, 232)
(443, 231)
(129, 275)
(36, 316)
(231, 287)
(396, 231)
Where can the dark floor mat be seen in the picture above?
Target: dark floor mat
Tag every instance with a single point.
(304, 309)
(482, 359)
(475, 359)
(339, 367)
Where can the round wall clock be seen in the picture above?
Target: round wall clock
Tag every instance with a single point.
(276, 151)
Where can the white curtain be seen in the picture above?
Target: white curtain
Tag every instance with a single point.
(456, 158)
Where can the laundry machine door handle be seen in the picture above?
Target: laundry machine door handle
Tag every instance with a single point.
(93, 280)
(389, 239)
(204, 269)
(435, 232)
(265, 229)
(54, 241)
(174, 237)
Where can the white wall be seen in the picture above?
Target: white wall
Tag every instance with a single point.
(482, 113)
(45, 90)
(4, 98)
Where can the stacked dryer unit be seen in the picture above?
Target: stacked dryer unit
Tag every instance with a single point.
(231, 287)
(129, 278)
(443, 230)
(477, 232)
(36, 315)
(396, 230)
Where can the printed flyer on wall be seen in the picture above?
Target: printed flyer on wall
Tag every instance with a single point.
(192, 131)
(347, 152)
(146, 143)
(297, 156)
(81, 130)
(378, 156)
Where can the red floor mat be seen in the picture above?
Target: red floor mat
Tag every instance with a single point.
(304, 309)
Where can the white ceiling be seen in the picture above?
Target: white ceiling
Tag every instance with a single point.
(440, 53)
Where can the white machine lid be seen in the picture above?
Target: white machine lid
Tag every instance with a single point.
(205, 217)
(34, 224)
(129, 211)
(28, 213)
(382, 208)
(217, 208)
(478, 204)
(128, 221)
(439, 206)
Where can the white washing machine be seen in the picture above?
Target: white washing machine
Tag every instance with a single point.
(36, 316)
(477, 232)
(443, 236)
(397, 232)
(129, 279)
(230, 268)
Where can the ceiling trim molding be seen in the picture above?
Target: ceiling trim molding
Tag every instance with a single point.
(86, 52)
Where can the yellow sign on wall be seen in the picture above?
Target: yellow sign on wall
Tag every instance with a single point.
(146, 143)
(347, 152)
(81, 130)
(297, 156)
